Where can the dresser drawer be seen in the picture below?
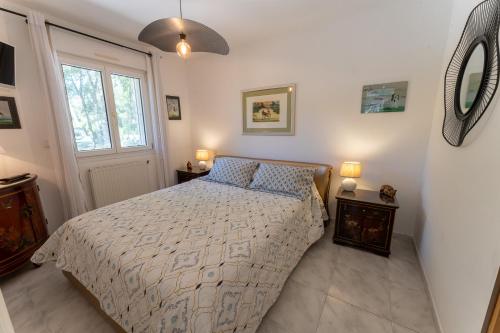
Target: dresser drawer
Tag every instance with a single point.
(16, 230)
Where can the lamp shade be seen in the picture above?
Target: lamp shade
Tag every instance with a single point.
(350, 170)
(2, 151)
(202, 155)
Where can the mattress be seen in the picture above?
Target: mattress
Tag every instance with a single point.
(196, 257)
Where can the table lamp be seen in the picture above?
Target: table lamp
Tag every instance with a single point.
(350, 170)
(202, 157)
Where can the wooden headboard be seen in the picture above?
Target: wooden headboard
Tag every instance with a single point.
(321, 177)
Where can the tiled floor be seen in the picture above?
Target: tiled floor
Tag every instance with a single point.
(334, 289)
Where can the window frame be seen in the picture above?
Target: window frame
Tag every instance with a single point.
(106, 70)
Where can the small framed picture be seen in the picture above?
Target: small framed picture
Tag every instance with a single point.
(8, 113)
(173, 107)
(386, 97)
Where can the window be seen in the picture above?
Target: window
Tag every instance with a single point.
(128, 103)
(107, 109)
(87, 105)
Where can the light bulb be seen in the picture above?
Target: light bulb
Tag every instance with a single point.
(183, 48)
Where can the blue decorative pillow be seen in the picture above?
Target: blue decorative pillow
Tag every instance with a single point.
(233, 171)
(283, 179)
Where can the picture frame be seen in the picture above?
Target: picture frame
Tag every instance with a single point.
(173, 107)
(9, 118)
(384, 97)
(269, 110)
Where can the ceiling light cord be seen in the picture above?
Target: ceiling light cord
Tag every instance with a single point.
(180, 8)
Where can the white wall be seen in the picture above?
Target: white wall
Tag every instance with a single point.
(28, 148)
(458, 232)
(330, 62)
(174, 81)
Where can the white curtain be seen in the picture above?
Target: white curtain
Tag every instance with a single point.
(159, 120)
(66, 167)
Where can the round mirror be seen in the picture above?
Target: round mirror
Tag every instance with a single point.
(472, 78)
(473, 73)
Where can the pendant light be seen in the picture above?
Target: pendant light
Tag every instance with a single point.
(183, 48)
(183, 36)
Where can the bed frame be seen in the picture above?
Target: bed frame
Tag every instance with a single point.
(93, 301)
(321, 179)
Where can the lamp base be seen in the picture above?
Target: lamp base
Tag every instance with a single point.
(349, 184)
(202, 165)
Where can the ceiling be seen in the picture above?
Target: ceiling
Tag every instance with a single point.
(239, 21)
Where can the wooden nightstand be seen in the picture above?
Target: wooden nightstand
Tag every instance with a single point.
(185, 175)
(364, 220)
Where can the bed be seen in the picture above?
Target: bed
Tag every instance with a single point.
(197, 257)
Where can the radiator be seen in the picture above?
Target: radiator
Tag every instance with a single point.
(114, 183)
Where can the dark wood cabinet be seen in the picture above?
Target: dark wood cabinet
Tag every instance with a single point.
(365, 220)
(185, 175)
(22, 223)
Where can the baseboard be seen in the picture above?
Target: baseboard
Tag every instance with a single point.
(429, 292)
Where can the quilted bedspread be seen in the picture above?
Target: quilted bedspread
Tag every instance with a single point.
(196, 257)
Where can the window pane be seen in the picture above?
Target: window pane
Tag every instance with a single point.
(88, 108)
(128, 103)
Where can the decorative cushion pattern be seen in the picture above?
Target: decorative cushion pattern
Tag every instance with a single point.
(233, 171)
(284, 179)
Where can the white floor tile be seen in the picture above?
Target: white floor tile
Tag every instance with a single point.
(342, 317)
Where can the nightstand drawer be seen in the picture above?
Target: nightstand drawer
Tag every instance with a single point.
(363, 224)
(350, 222)
(375, 227)
(185, 177)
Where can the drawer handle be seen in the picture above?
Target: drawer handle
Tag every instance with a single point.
(7, 204)
(364, 210)
(27, 211)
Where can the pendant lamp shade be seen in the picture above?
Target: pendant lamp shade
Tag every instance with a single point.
(164, 34)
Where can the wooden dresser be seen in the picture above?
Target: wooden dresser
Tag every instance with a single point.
(22, 223)
(365, 220)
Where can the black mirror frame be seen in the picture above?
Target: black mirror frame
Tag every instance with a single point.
(482, 27)
(458, 109)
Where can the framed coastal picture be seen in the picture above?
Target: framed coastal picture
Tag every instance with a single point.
(269, 111)
(8, 113)
(386, 97)
(174, 107)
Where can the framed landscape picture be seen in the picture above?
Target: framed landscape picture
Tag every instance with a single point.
(387, 97)
(8, 113)
(174, 107)
(269, 111)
